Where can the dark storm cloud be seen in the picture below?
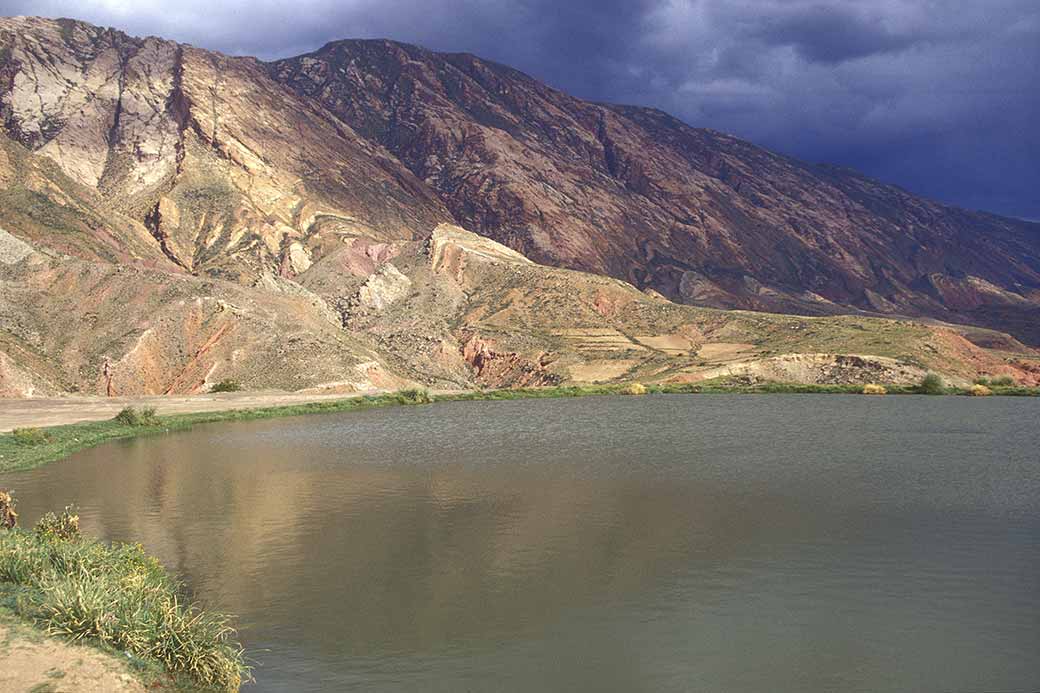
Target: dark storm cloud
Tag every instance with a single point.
(939, 96)
(833, 34)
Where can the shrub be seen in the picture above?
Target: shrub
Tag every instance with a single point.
(872, 389)
(119, 596)
(931, 384)
(30, 436)
(64, 526)
(634, 389)
(226, 385)
(1002, 381)
(132, 417)
(413, 396)
(8, 517)
(978, 390)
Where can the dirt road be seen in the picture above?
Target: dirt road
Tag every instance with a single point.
(18, 413)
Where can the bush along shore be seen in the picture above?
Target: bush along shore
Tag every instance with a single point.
(26, 448)
(116, 597)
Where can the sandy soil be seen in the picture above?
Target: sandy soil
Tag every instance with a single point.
(723, 351)
(602, 370)
(39, 664)
(668, 343)
(16, 413)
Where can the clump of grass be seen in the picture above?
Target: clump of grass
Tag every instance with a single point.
(130, 416)
(413, 396)
(931, 384)
(979, 390)
(634, 389)
(120, 597)
(30, 436)
(8, 516)
(227, 385)
(874, 389)
(63, 526)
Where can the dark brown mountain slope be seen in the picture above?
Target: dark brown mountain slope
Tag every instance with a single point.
(700, 216)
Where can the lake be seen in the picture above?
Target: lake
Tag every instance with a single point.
(661, 543)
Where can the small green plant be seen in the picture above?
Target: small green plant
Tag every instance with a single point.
(8, 517)
(134, 417)
(634, 389)
(931, 384)
(413, 396)
(1001, 381)
(64, 526)
(226, 385)
(30, 436)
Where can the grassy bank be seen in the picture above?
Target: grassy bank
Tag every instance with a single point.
(30, 448)
(115, 597)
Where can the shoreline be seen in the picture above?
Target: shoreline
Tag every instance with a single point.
(64, 439)
(106, 616)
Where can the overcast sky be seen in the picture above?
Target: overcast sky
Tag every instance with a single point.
(939, 96)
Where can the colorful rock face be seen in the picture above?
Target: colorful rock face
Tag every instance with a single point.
(696, 215)
(185, 217)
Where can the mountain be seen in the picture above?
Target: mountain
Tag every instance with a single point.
(697, 215)
(229, 173)
(171, 217)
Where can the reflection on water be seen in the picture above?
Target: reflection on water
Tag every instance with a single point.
(628, 544)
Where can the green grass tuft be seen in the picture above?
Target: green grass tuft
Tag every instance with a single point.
(226, 386)
(30, 436)
(64, 526)
(134, 417)
(932, 384)
(413, 396)
(8, 516)
(119, 597)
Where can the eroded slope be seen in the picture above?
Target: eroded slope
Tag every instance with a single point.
(699, 216)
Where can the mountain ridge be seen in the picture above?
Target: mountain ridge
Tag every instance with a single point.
(703, 218)
(191, 216)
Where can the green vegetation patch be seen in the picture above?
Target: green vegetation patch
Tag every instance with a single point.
(415, 396)
(932, 384)
(137, 417)
(64, 526)
(30, 436)
(117, 596)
